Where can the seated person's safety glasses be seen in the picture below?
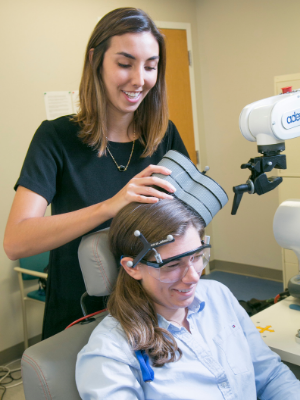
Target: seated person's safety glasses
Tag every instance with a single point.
(174, 268)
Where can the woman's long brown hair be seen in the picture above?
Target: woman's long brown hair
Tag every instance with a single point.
(151, 118)
(129, 302)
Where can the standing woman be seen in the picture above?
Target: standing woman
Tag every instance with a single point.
(91, 165)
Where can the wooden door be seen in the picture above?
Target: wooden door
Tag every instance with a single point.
(178, 87)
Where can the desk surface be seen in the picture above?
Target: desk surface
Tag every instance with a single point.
(278, 326)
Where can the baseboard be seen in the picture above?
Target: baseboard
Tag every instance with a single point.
(15, 352)
(244, 269)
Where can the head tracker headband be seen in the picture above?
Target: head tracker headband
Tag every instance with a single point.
(148, 247)
(198, 191)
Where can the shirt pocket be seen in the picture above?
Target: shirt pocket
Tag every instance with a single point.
(234, 345)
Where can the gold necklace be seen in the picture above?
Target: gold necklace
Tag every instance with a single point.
(121, 168)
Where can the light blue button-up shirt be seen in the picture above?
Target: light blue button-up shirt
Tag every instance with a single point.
(223, 357)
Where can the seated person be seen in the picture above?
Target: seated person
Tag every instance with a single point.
(169, 334)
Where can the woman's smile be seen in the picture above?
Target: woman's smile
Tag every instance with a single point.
(185, 291)
(132, 96)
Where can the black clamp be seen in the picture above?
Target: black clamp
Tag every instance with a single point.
(258, 181)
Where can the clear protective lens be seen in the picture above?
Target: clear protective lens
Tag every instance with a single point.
(177, 269)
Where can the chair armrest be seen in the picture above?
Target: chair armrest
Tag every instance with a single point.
(30, 272)
(48, 368)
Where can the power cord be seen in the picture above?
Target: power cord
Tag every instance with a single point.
(7, 377)
(84, 318)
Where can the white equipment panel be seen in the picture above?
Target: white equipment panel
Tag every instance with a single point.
(278, 326)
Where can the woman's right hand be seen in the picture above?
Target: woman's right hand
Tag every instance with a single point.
(29, 232)
(140, 189)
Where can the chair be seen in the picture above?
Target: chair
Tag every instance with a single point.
(31, 268)
(48, 367)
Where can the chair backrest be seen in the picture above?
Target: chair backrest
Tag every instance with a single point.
(98, 265)
(34, 263)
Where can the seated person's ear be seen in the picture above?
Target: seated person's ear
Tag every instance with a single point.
(135, 272)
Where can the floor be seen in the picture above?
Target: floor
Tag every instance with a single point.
(247, 287)
(243, 287)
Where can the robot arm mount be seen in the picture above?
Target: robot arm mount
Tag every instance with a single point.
(269, 122)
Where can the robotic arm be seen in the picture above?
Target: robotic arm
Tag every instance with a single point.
(269, 122)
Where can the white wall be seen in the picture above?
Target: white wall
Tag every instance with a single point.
(243, 44)
(42, 48)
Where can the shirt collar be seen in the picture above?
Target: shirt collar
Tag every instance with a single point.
(196, 307)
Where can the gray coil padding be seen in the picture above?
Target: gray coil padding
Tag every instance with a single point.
(199, 191)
